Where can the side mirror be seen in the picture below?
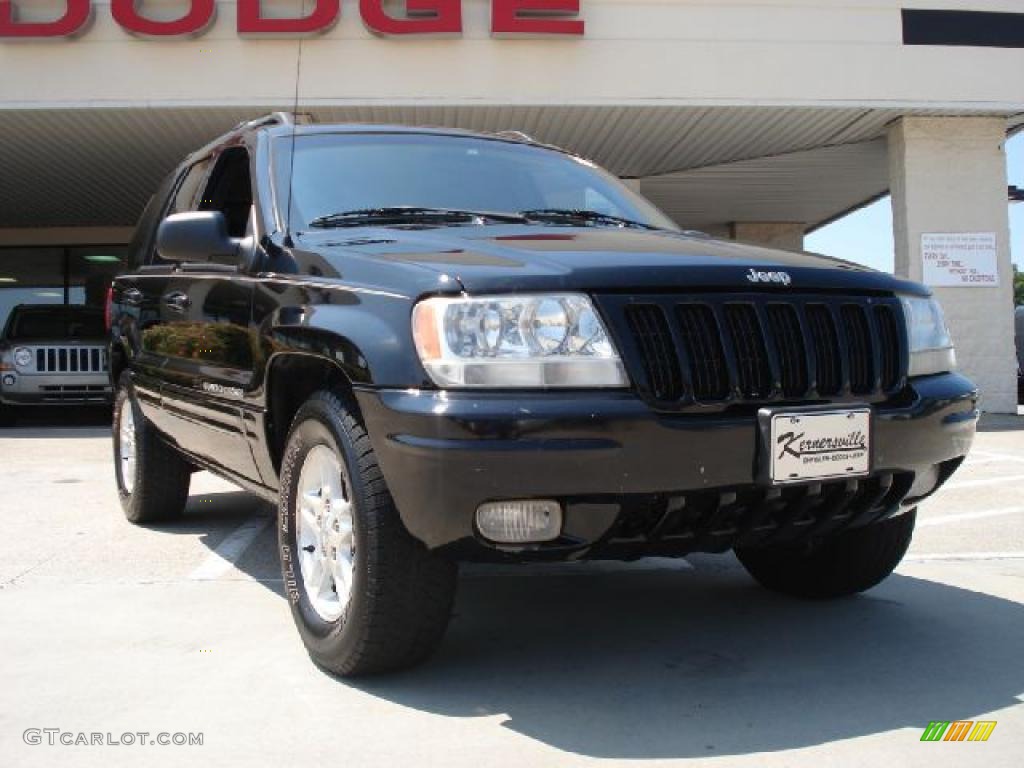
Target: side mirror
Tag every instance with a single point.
(196, 236)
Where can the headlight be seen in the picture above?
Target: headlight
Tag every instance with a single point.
(931, 346)
(22, 357)
(515, 341)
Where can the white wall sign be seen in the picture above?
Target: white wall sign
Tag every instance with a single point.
(968, 259)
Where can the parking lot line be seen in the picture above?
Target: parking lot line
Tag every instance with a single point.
(983, 482)
(989, 456)
(984, 460)
(224, 557)
(947, 519)
(968, 556)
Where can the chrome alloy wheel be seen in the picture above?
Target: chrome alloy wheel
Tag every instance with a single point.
(126, 445)
(323, 530)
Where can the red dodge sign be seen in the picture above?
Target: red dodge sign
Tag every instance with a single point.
(422, 17)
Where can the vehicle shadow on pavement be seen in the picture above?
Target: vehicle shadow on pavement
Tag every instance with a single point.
(654, 660)
(671, 663)
(45, 421)
(214, 516)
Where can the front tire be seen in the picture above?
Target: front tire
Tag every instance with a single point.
(851, 562)
(152, 478)
(365, 595)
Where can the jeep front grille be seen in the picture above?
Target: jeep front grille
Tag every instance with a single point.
(755, 376)
(724, 348)
(698, 328)
(825, 341)
(658, 355)
(71, 360)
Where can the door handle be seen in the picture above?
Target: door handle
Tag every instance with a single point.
(177, 301)
(132, 297)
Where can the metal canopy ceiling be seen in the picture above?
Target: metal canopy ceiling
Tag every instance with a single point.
(810, 186)
(710, 165)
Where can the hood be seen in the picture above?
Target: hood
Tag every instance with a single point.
(512, 258)
(54, 341)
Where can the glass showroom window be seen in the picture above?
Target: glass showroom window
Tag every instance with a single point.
(30, 276)
(90, 270)
(55, 275)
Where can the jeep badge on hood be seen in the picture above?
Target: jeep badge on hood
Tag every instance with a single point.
(757, 276)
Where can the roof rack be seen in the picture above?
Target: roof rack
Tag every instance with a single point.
(515, 136)
(277, 118)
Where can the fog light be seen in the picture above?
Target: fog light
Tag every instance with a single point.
(520, 522)
(9, 381)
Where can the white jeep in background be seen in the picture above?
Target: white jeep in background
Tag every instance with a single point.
(53, 355)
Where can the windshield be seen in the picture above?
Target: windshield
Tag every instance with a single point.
(339, 173)
(55, 324)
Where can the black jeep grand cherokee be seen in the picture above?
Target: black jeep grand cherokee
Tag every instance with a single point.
(433, 346)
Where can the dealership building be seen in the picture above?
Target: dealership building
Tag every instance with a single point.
(759, 120)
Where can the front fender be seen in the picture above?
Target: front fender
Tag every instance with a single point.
(370, 341)
(366, 337)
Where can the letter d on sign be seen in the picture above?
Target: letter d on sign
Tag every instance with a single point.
(76, 16)
(200, 16)
(251, 21)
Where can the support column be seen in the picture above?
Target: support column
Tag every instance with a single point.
(773, 234)
(947, 175)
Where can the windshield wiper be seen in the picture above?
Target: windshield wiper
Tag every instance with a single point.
(410, 215)
(580, 214)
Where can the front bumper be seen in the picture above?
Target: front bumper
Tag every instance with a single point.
(56, 388)
(633, 481)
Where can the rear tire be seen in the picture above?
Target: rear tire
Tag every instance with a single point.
(851, 562)
(365, 595)
(153, 486)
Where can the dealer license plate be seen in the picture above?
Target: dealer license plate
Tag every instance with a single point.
(819, 445)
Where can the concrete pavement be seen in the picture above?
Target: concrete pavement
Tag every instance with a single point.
(111, 628)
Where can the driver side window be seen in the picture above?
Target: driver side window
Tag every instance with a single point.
(188, 190)
(229, 190)
(182, 200)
